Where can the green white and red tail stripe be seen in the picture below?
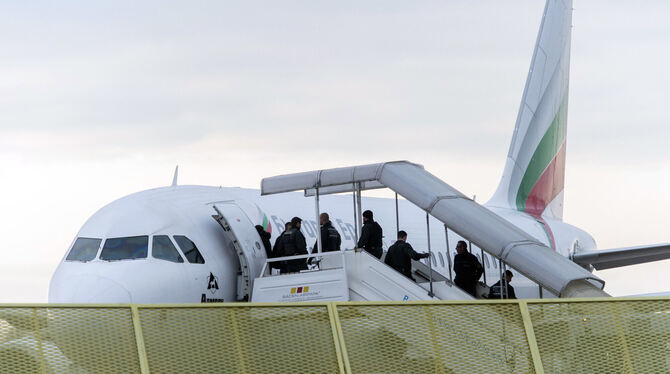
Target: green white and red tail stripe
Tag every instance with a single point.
(534, 175)
(544, 176)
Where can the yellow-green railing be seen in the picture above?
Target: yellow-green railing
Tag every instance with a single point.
(609, 335)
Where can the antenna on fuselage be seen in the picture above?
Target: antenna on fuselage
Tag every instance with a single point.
(176, 175)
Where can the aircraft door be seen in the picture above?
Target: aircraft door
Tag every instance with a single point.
(246, 242)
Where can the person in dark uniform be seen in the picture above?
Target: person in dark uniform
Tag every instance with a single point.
(330, 238)
(277, 249)
(401, 254)
(467, 269)
(265, 238)
(293, 244)
(496, 290)
(371, 235)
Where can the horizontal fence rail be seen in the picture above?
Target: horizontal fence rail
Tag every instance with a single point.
(607, 335)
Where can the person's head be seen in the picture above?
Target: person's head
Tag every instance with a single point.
(508, 276)
(461, 247)
(287, 226)
(367, 216)
(296, 222)
(324, 218)
(402, 235)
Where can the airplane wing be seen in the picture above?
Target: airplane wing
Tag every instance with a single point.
(613, 258)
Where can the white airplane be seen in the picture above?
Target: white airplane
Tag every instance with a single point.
(162, 245)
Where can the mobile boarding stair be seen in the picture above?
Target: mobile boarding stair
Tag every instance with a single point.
(350, 275)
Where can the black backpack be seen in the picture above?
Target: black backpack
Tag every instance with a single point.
(289, 246)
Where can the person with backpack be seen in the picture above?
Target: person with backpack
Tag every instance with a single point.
(292, 243)
(504, 290)
(278, 247)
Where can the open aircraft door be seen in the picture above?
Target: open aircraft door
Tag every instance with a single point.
(246, 242)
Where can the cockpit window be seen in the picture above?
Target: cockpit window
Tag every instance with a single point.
(190, 250)
(163, 249)
(129, 248)
(84, 249)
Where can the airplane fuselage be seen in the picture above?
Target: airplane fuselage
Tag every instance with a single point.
(186, 211)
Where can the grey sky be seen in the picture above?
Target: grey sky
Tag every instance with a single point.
(102, 99)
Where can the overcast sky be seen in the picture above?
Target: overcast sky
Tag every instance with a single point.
(102, 99)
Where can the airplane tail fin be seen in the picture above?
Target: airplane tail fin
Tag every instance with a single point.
(534, 174)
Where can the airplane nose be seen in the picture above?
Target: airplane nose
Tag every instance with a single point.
(89, 289)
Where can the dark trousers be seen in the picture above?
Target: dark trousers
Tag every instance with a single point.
(377, 252)
(467, 286)
(292, 266)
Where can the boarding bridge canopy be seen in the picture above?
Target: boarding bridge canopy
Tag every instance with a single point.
(464, 216)
(329, 181)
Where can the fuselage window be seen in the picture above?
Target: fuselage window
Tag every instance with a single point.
(129, 248)
(432, 256)
(163, 249)
(189, 249)
(84, 249)
(439, 254)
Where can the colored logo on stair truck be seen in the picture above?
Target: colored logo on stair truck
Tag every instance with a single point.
(299, 289)
(299, 292)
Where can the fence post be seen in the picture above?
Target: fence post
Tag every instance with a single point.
(336, 336)
(139, 339)
(335, 322)
(433, 339)
(239, 350)
(530, 337)
(622, 337)
(38, 335)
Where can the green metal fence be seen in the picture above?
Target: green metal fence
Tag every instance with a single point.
(609, 335)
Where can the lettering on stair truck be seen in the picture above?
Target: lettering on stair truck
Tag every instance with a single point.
(300, 292)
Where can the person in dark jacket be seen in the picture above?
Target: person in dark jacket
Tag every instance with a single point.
(498, 292)
(401, 254)
(371, 235)
(278, 247)
(293, 244)
(467, 269)
(330, 238)
(265, 238)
